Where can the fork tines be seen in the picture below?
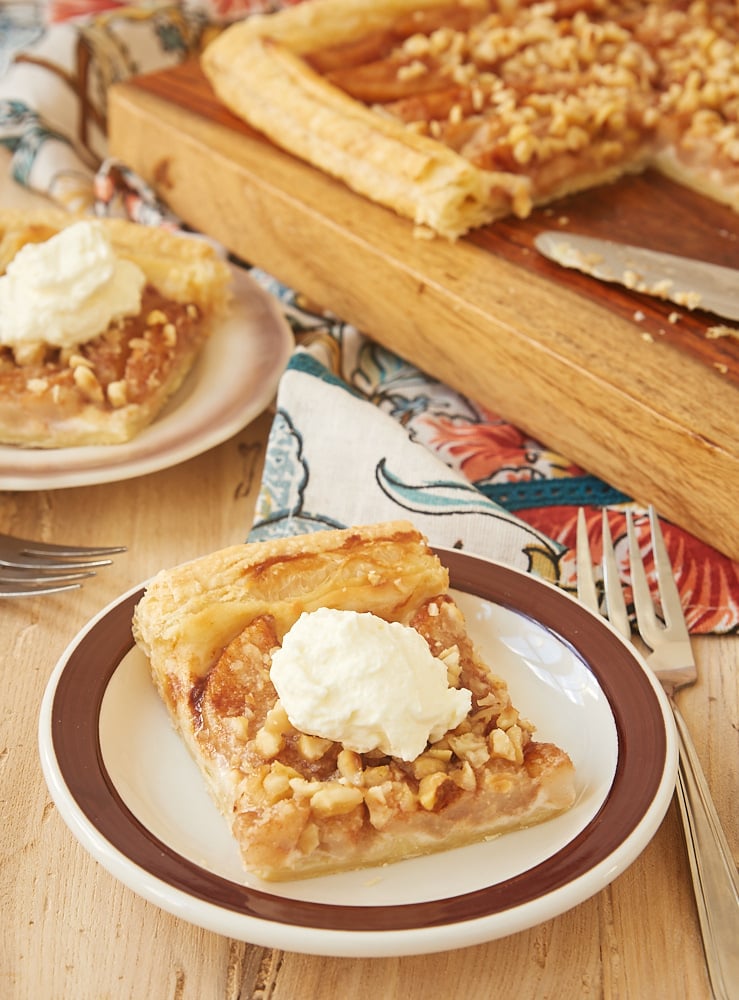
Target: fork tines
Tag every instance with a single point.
(36, 556)
(34, 588)
(28, 567)
(650, 626)
(63, 551)
(615, 606)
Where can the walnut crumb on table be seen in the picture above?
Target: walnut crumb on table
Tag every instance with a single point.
(715, 332)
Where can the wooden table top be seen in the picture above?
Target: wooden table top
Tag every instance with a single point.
(72, 930)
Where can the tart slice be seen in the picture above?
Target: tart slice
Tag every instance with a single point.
(303, 797)
(100, 323)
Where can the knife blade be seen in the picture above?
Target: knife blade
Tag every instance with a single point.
(691, 283)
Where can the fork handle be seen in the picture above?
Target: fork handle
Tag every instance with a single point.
(712, 866)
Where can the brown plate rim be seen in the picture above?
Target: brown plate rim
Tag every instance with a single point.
(637, 710)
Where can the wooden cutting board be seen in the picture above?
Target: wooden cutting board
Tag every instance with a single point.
(639, 392)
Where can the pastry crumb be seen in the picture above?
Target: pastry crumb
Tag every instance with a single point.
(715, 332)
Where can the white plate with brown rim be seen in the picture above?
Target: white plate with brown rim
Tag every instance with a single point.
(130, 793)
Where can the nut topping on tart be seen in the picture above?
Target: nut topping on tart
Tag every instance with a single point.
(304, 803)
(366, 683)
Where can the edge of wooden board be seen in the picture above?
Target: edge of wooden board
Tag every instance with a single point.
(660, 425)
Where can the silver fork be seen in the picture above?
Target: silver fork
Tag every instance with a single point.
(712, 866)
(30, 568)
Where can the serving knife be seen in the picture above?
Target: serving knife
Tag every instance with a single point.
(693, 284)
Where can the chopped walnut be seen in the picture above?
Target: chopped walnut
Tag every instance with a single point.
(349, 766)
(277, 782)
(471, 747)
(434, 790)
(507, 744)
(117, 393)
(507, 717)
(453, 665)
(313, 747)
(379, 805)
(270, 739)
(335, 799)
(427, 764)
(87, 382)
(78, 360)
(464, 776)
(169, 334)
(413, 70)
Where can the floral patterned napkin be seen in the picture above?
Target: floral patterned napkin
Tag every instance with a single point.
(359, 434)
(346, 447)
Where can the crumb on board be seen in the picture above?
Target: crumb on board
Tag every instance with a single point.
(714, 332)
(691, 300)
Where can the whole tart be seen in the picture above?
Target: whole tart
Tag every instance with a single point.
(109, 388)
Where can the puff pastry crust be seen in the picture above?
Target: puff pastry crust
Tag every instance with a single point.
(302, 806)
(109, 389)
(257, 68)
(455, 115)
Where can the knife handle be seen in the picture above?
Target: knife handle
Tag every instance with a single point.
(712, 866)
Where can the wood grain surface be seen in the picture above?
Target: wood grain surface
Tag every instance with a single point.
(633, 389)
(71, 930)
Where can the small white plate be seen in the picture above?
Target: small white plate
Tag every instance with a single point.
(232, 382)
(128, 790)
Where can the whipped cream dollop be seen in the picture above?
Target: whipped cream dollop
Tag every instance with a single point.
(366, 683)
(67, 290)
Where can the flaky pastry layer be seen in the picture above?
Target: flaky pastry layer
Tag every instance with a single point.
(257, 69)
